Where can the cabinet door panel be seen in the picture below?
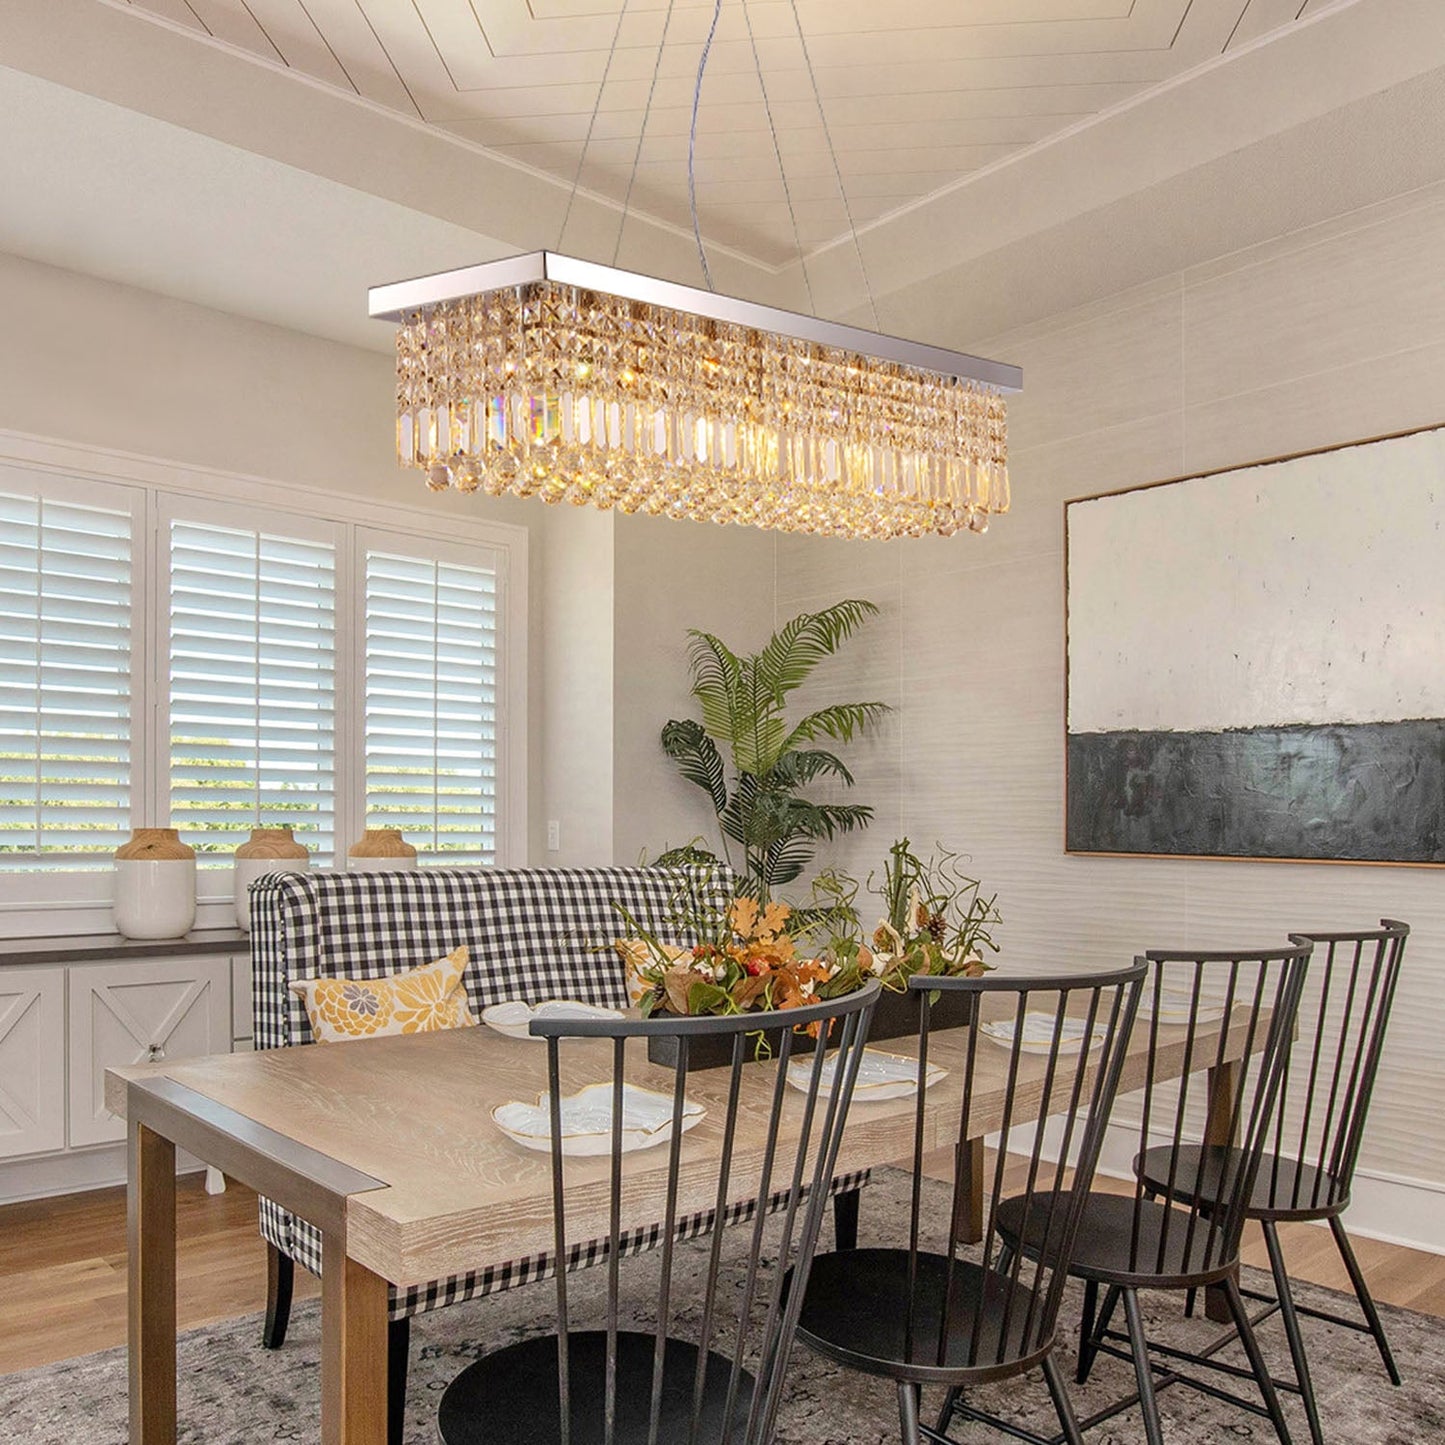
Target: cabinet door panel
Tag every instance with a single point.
(136, 1012)
(32, 1060)
(241, 1026)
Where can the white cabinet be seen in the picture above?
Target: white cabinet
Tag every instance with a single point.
(32, 1060)
(136, 1011)
(241, 1026)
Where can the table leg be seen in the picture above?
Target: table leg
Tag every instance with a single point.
(968, 1210)
(353, 1349)
(1219, 1129)
(151, 1299)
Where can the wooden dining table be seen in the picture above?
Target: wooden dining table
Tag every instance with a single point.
(388, 1147)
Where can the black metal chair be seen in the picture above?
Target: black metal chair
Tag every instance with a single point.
(1230, 1014)
(923, 1315)
(723, 1382)
(1309, 1161)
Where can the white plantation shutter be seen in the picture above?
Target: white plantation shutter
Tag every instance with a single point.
(431, 700)
(252, 685)
(65, 694)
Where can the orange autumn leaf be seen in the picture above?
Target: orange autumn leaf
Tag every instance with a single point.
(743, 916)
(774, 920)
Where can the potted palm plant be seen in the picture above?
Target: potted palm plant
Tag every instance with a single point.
(754, 763)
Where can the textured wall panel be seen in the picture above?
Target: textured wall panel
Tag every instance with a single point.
(982, 723)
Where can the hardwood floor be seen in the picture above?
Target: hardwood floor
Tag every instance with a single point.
(63, 1268)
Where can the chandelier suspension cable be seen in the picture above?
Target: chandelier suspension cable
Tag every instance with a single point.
(692, 143)
(778, 152)
(642, 130)
(591, 124)
(837, 169)
(541, 375)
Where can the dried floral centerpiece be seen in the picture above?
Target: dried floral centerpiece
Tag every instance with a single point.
(935, 921)
(747, 961)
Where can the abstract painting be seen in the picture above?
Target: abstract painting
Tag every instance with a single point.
(1256, 660)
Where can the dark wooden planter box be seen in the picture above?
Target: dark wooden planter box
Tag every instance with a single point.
(895, 1017)
(712, 1052)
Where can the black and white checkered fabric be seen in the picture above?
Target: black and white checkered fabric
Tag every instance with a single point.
(532, 934)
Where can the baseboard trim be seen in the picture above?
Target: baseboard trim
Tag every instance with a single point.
(75, 1172)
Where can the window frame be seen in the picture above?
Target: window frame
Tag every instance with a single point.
(456, 553)
(155, 491)
(202, 512)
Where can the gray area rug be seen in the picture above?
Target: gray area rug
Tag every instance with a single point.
(232, 1392)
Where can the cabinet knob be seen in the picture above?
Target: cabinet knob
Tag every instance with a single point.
(155, 1054)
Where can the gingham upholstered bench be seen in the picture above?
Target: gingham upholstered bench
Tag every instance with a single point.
(532, 934)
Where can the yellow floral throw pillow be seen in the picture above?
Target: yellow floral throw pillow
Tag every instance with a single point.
(419, 1001)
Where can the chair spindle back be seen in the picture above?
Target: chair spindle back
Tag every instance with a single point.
(1045, 1094)
(1329, 1068)
(771, 1136)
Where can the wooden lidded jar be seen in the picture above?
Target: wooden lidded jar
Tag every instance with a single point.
(380, 850)
(268, 850)
(155, 885)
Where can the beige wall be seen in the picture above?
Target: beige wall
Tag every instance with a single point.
(574, 725)
(1327, 335)
(672, 576)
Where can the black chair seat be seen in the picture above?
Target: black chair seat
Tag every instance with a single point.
(859, 1306)
(1283, 1188)
(510, 1397)
(1139, 1244)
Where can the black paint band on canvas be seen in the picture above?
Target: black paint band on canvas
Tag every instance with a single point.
(1359, 791)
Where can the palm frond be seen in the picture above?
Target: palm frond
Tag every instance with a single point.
(697, 759)
(840, 722)
(786, 859)
(797, 770)
(843, 817)
(797, 647)
(758, 740)
(716, 671)
(737, 815)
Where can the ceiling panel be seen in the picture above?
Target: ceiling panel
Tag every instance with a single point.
(915, 97)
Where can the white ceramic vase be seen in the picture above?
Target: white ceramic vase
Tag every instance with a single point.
(267, 850)
(248, 870)
(380, 850)
(379, 865)
(155, 897)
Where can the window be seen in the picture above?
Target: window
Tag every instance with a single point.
(252, 685)
(65, 669)
(170, 658)
(431, 702)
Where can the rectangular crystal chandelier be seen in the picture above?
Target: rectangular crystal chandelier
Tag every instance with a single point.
(541, 375)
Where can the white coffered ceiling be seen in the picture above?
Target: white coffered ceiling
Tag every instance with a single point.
(918, 95)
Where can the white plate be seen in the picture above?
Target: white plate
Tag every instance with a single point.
(512, 1018)
(587, 1120)
(1038, 1034)
(1174, 1006)
(880, 1076)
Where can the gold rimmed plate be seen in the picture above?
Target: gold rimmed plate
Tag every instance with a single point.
(513, 1018)
(880, 1076)
(587, 1120)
